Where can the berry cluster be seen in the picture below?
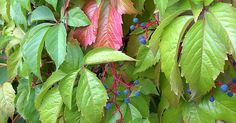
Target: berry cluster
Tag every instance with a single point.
(228, 88)
(142, 25)
(115, 89)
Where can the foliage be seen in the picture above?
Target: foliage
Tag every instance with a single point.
(132, 61)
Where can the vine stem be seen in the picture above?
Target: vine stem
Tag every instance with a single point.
(3, 65)
(231, 60)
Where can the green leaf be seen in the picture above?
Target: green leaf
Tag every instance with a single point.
(42, 13)
(18, 15)
(51, 106)
(73, 115)
(74, 58)
(135, 114)
(203, 55)
(66, 88)
(77, 18)
(32, 49)
(13, 62)
(91, 97)
(3, 74)
(4, 11)
(145, 59)
(208, 2)
(105, 55)
(225, 15)
(55, 77)
(142, 104)
(25, 101)
(173, 115)
(169, 47)
(161, 5)
(7, 97)
(26, 4)
(222, 108)
(53, 3)
(196, 9)
(55, 43)
(147, 87)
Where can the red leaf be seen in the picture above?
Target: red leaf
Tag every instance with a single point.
(110, 28)
(87, 35)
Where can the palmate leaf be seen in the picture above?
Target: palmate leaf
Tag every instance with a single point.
(169, 46)
(51, 106)
(55, 43)
(203, 56)
(77, 18)
(7, 97)
(91, 97)
(225, 15)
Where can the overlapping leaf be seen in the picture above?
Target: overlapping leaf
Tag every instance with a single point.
(7, 97)
(169, 48)
(91, 97)
(203, 55)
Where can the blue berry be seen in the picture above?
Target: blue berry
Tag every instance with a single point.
(142, 41)
(230, 94)
(108, 106)
(126, 100)
(126, 91)
(143, 24)
(189, 91)
(234, 63)
(136, 82)
(135, 20)
(132, 27)
(137, 93)
(118, 93)
(105, 86)
(224, 88)
(234, 80)
(212, 99)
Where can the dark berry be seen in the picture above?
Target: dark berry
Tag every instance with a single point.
(105, 86)
(212, 99)
(108, 106)
(135, 20)
(224, 88)
(126, 91)
(136, 82)
(132, 27)
(234, 63)
(126, 100)
(143, 24)
(234, 80)
(118, 93)
(230, 94)
(137, 93)
(189, 91)
(142, 40)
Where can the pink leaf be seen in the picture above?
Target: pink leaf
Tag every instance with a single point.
(87, 35)
(110, 28)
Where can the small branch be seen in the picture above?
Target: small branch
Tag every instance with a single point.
(231, 60)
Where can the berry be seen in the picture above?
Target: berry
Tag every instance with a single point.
(189, 91)
(234, 80)
(132, 27)
(105, 86)
(137, 93)
(230, 94)
(143, 24)
(118, 93)
(108, 106)
(224, 87)
(135, 20)
(136, 82)
(142, 40)
(212, 99)
(126, 100)
(126, 91)
(234, 63)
